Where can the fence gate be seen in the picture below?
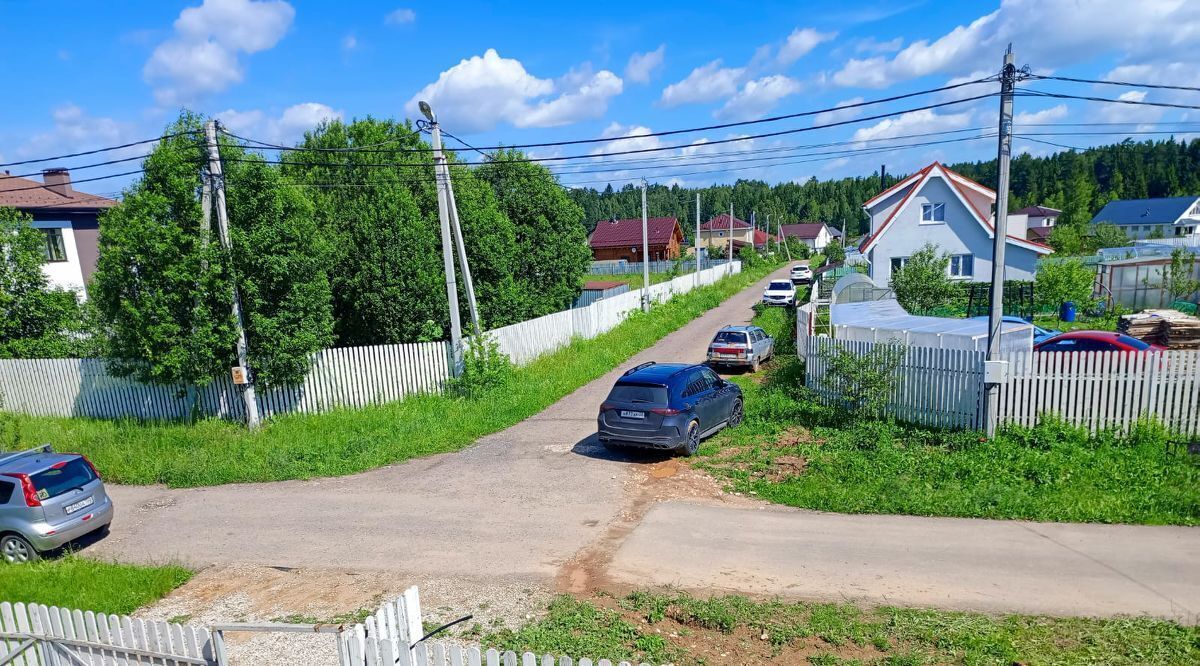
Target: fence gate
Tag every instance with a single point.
(37, 635)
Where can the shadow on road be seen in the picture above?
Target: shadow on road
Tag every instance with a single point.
(591, 447)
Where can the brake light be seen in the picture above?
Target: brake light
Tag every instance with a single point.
(31, 498)
(665, 411)
(606, 406)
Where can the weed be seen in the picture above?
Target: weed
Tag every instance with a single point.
(84, 584)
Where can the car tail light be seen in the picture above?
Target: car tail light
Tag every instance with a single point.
(665, 411)
(606, 406)
(31, 498)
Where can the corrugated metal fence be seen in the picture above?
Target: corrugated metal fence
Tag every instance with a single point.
(339, 377)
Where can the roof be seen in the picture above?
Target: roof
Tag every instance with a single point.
(655, 372)
(601, 285)
(1038, 211)
(761, 237)
(738, 327)
(803, 230)
(721, 223)
(959, 184)
(628, 232)
(835, 232)
(1144, 211)
(26, 194)
(1039, 233)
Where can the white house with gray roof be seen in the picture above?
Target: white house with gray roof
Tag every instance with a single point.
(1170, 217)
(936, 205)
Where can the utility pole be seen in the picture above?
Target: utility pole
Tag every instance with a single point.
(788, 250)
(645, 253)
(730, 231)
(994, 371)
(217, 184)
(462, 254)
(698, 267)
(443, 196)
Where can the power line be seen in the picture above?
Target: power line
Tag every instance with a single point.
(1026, 92)
(1130, 84)
(689, 130)
(81, 180)
(1048, 143)
(98, 150)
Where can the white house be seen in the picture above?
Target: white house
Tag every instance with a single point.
(1039, 220)
(816, 235)
(936, 205)
(1173, 217)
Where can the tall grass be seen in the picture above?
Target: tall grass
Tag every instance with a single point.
(346, 441)
(76, 582)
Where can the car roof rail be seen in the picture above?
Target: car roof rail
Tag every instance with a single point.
(638, 367)
(9, 456)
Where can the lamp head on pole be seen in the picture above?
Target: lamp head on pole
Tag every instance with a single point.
(427, 111)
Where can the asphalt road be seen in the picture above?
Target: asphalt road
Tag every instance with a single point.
(542, 504)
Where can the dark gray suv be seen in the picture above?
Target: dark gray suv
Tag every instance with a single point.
(668, 406)
(46, 500)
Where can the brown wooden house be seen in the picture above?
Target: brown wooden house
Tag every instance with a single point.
(614, 240)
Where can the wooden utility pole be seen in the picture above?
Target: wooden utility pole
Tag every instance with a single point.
(242, 372)
(993, 369)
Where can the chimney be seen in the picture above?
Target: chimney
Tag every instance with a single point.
(58, 181)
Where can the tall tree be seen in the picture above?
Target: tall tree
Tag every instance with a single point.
(35, 320)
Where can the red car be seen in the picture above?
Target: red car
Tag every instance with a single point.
(1079, 341)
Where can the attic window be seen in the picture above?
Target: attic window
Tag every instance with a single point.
(933, 212)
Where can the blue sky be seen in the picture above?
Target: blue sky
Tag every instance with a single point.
(91, 74)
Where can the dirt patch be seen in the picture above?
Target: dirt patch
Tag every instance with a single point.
(794, 437)
(785, 467)
(246, 593)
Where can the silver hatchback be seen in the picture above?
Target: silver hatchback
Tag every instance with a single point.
(48, 499)
(742, 346)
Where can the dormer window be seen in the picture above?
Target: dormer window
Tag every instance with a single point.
(1195, 211)
(932, 213)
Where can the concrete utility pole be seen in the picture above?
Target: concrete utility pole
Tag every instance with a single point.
(217, 184)
(993, 371)
(645, 253)
(788, 250)
(443, 195)
(730, 232)
(462, 253)
(698, 266)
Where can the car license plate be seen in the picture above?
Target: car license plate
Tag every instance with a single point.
(626, 414)
(81, 504)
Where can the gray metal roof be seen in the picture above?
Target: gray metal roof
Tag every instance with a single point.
(1144, 211)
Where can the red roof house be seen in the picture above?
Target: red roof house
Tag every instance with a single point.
(615, 240)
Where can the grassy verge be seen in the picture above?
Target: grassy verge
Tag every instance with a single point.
(76, 582)
(634, 280)
(680, 629)
(794, 451)
(346, 441)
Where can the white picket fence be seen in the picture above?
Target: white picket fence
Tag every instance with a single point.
(37, 635)
(344, 377)
(391, 637)
(1095, 390)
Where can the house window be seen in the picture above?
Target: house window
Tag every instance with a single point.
(962, 265)
(1195, 209)
(55, 251)
(933, 212)
(721, 234)
(898, 263)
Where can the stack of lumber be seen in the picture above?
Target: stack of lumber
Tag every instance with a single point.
(1169, 328)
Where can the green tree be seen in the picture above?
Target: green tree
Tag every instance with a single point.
(1180, 281)
(1107, 235)
(835, 252)
(35, 320)
(1067, 239)
(923, 282)
(1062, 280)
(551, 236)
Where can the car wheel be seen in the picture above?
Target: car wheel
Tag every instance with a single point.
(14, 549)
(754, 365)
(692, 443)
(735, 414)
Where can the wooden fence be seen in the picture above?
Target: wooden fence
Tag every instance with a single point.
(391, 637)
(340, 377)
(1095, 390)
(37, 635)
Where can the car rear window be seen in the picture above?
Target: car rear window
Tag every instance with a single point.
(780, 284)
(1133, 342)
(730, 337)
(638, 393)
(58, 480)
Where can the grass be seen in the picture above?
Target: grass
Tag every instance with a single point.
(77, 582)
(682, 629)
(346, 441)
(793, 451)
(1052, 322)
(634, 280)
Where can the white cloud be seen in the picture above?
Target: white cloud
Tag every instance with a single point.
(1048, 33)
(202, 56)
(402, 16)
(643, 65)
(705, 84)
(349, 43)
(481, 91)
(75, 129)
(913, 122)
(758, 97)
(840, 114)
(288, 127)
(1130, 113)
(800, 42)
(1038, 117)
(872, 45)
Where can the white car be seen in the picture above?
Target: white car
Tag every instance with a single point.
(801, 274)
(779, 292)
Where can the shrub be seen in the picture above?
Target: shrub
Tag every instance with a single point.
(865, 383)
(485, 367)
(923, 283)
